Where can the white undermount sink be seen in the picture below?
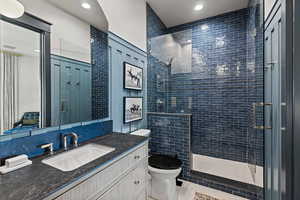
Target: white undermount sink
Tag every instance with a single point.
(78, 157)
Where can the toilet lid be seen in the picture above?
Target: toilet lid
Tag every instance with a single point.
(164, 162)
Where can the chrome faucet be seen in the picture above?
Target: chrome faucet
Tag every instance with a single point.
(75, 140)
(49, 147)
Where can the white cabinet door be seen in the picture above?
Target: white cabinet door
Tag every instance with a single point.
(131, 187)
(124, 190)
(126, 187)
(134, 184)
(142, 196)
(139, 177)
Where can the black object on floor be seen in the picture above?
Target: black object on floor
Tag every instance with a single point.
(178, 182)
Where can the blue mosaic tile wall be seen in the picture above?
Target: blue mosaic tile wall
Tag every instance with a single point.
(219, 91)
(218, 86)
(155, 25)
(158, 85)
(157, 82)
(226, 78)
(30, 145)
(100, 73)
(170, 135)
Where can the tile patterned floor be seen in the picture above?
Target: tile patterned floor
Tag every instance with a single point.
(200, 196)
(191, 191)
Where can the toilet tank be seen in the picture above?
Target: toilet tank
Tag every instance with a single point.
(142, 132)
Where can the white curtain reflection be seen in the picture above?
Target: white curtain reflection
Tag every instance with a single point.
(9, 72)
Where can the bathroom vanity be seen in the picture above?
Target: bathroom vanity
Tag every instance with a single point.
(124, 178)
(120, 174)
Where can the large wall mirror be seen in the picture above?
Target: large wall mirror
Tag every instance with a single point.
(77, 66)
(20, 78)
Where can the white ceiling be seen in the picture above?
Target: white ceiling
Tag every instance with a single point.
(176, 12)
(94, 16)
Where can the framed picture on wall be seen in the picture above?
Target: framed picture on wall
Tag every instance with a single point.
(133, 109)
(133, 77)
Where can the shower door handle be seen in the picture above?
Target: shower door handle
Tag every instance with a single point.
(254, 106)
(270, 65)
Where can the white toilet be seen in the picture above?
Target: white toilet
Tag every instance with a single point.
(163, 170)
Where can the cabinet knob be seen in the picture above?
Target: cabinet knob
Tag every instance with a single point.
(136, 182)
(136, 157)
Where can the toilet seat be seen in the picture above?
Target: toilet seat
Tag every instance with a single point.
(164, 162)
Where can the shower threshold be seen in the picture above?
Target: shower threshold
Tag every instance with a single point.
(229, 169)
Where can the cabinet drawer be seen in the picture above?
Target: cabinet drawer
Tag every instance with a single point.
(134, 183)
(97, 183)
(131, 187)
(139, 155)
(112, 194)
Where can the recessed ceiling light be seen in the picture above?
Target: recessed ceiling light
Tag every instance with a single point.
(11, 8)
(198, 7)
(86, 5)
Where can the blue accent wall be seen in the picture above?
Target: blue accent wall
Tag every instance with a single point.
(30, 145)
(121, 51)
(100, 74)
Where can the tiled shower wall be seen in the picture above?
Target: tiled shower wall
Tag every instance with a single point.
(170, 135)
(157, 84)
(100, 73)
(226, 78)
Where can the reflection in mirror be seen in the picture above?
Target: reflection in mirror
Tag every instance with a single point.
(78, 66)
(71, 90)
(71, 78)
(72, 68)
(20, 91)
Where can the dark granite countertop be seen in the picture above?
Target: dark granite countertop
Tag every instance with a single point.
(38, 181)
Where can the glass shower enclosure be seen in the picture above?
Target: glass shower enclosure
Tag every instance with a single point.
(211, 74)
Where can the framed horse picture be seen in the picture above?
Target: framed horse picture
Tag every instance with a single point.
(133, 77)
(133, 109)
